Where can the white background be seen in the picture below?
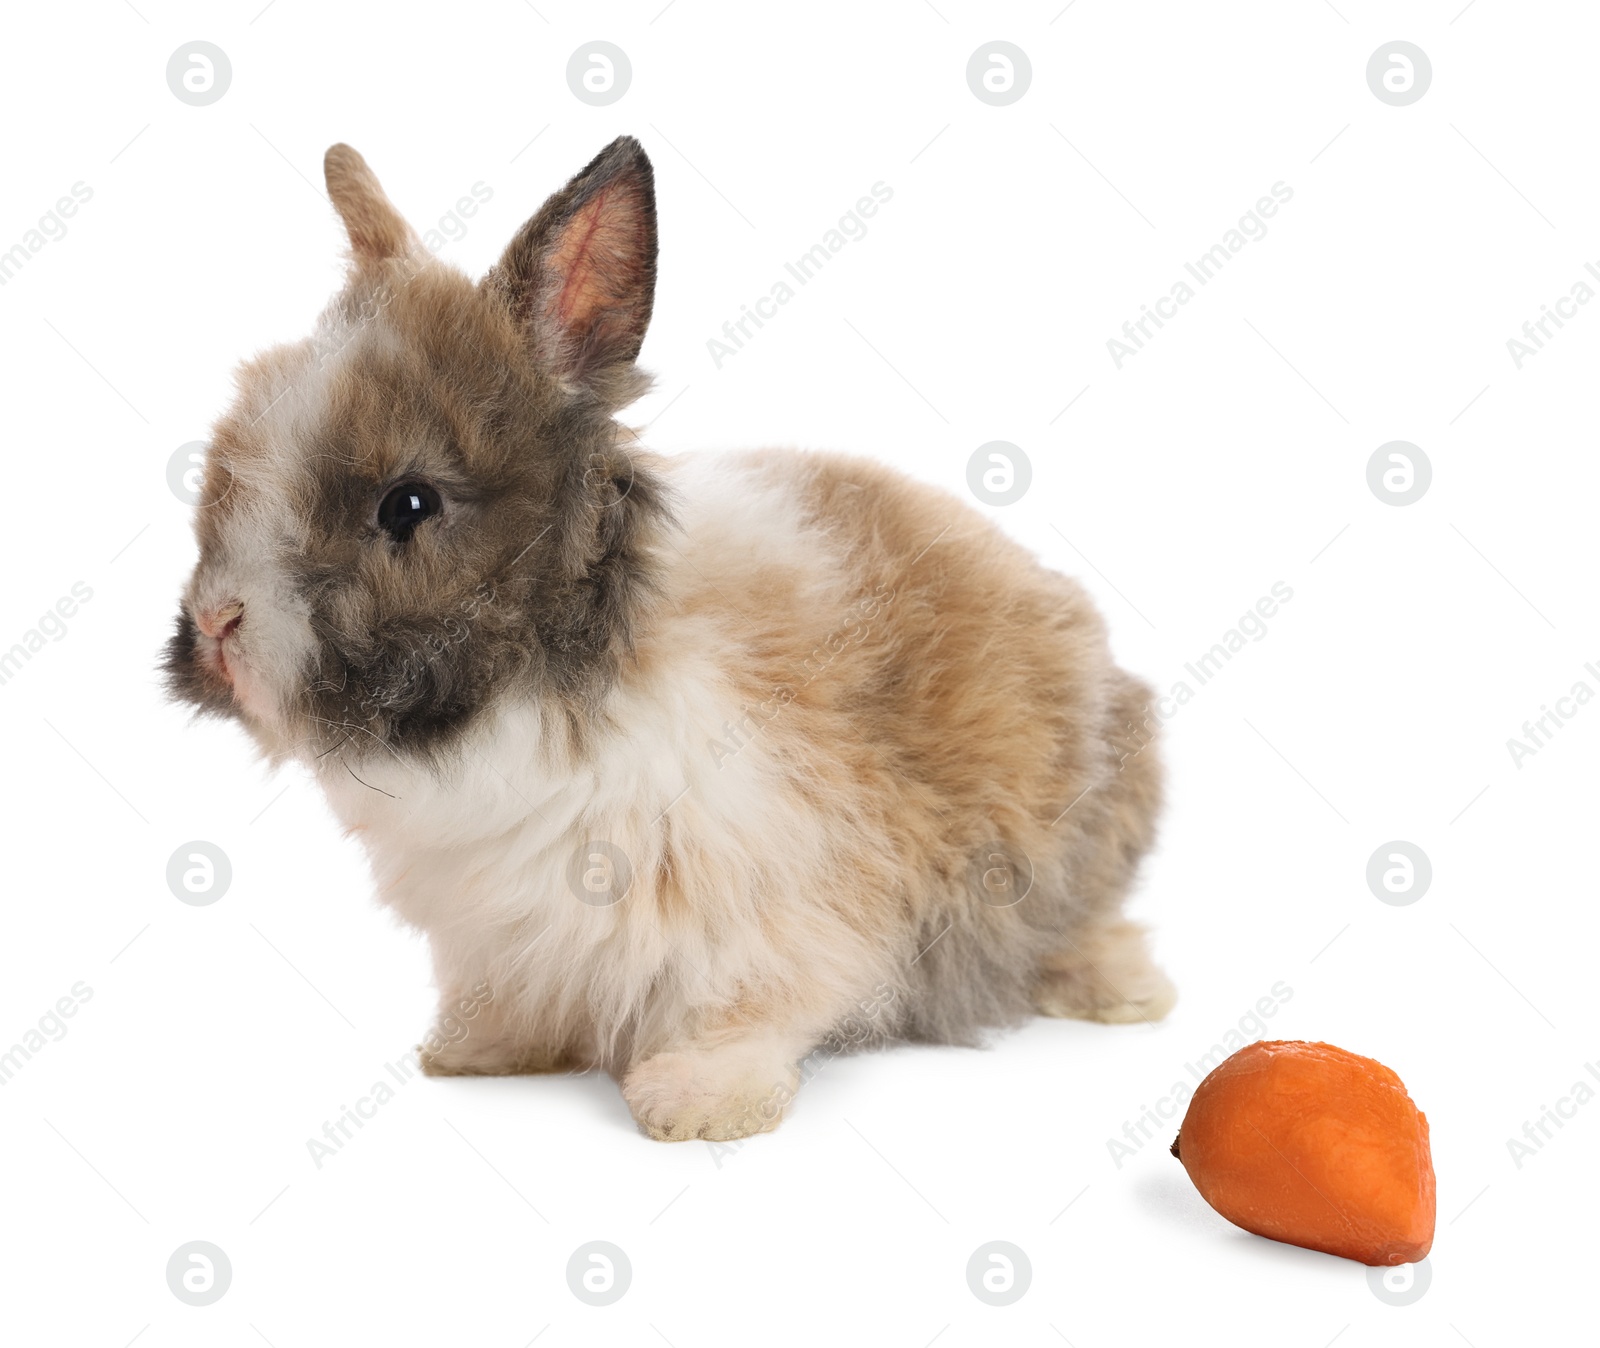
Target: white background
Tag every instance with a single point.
(1228, 455)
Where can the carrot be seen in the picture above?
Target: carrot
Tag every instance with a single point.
(1311, 1145)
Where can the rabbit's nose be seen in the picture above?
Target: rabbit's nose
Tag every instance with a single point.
(222, 621)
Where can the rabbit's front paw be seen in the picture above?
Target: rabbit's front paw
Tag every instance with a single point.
(717, 1095)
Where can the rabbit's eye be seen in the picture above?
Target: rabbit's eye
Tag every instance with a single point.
(405, 507)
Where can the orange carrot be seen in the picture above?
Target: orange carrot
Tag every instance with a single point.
(1313, 1146)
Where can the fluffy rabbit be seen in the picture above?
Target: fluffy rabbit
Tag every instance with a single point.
(697, 765)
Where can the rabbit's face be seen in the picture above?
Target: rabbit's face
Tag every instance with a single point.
(423, 508)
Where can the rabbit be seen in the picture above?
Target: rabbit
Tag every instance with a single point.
(690, 768)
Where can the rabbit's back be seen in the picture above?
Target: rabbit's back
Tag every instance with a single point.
(945, 701)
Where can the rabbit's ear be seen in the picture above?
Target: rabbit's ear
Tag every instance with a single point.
(377, 231)
(580, 275)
